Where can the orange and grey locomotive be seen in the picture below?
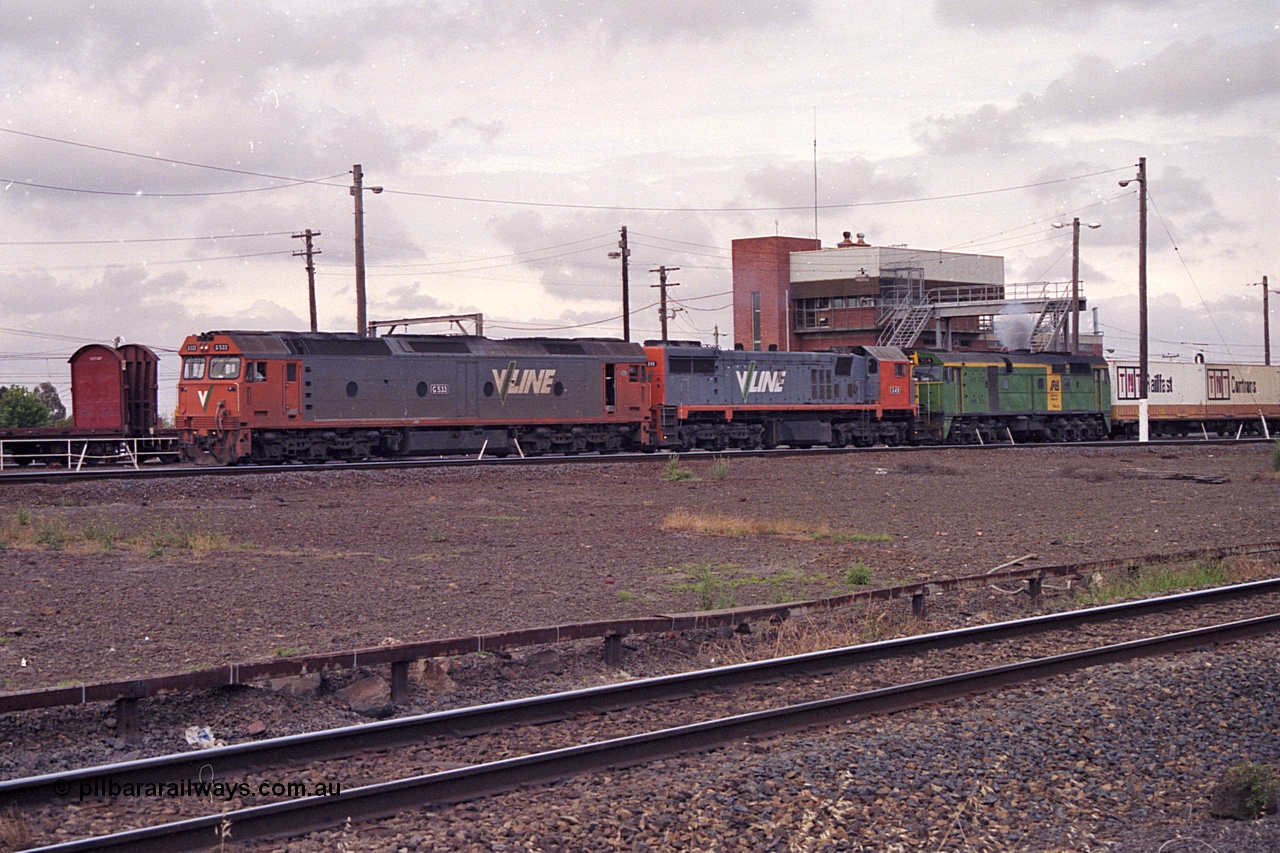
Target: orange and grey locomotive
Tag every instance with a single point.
(311, 396)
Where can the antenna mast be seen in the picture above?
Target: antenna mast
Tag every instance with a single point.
(815, 173)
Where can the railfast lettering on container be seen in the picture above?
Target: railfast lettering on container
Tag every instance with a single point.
(528, 381)
(763, 382)
(1161, 384)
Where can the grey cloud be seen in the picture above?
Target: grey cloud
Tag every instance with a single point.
(984, 129)
(852, 181)
(1001, 14)
(1187, 79)
(488, 131)
(612, 20)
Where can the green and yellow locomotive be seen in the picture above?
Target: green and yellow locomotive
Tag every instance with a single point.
(981, 398)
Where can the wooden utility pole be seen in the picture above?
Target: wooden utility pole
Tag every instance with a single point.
(1266, 321)
(309, 253)
(662, 295)
(1144, 391)
(624, 252)
(357, 191)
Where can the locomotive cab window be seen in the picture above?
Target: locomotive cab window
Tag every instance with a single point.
(193, 367)
(224, 367)
(255, 371)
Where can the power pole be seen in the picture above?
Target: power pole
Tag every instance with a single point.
(1266, 322)
(357, 190)
(1144, 391)
(662, 295)
(309, 253)
(624, 252)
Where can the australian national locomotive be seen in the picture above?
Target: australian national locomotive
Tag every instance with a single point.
(248, 396)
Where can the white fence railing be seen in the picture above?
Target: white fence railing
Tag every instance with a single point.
(73, 453)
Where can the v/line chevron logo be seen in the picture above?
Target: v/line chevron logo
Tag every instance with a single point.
(751, 381)
(526, 381)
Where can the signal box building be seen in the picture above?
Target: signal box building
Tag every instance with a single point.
(791, 294)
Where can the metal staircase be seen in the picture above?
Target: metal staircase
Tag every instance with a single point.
(1050, 326)
(906, 326)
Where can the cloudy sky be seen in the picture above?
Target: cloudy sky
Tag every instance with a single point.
(157, 155)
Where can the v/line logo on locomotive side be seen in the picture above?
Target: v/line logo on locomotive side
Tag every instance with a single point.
(512, 380)
(763, 382)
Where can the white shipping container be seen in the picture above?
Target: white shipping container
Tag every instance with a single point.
(1194, 391)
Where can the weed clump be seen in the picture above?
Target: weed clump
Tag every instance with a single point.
(676, 472)
(1142, 581)
(1247, 792)
(859, 574)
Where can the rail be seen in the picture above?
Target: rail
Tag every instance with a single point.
(331, 744)
(295, 817)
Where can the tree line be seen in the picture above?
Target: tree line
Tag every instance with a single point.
(23, 408)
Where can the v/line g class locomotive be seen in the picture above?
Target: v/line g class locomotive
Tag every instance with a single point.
(269, 397)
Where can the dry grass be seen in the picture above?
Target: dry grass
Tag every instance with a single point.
(728, 525)
(802, 635)
(14, 834)
(1248, 567)
(52, 531)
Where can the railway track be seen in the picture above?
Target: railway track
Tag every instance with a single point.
(13, 475)
(790, 693)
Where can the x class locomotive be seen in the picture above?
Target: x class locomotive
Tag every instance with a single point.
(713, 399)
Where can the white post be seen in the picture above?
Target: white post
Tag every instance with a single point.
(1144, 425)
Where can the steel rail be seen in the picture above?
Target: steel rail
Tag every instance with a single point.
(190, 470)
(453, 786)
(229, 761)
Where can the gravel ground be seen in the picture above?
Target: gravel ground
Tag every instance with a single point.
(1112, 759)
(114, 580)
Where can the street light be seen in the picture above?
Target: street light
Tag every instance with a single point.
(1144, 433)
(1075, 279)
(357, 190)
